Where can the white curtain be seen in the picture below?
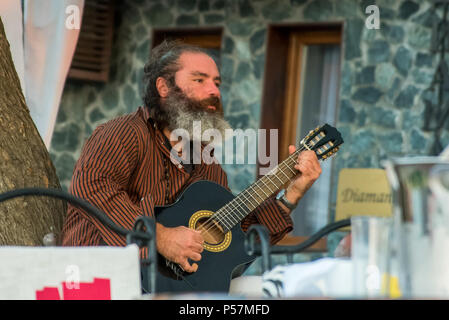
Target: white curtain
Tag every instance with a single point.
(318, 106)
(11, 14)
(50, 37)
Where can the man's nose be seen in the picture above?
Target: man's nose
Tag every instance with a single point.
(213, 90)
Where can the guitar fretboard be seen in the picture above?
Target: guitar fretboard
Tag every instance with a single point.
(250, 198)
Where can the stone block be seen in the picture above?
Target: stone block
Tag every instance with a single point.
(418, 141)
(368, 95)
(406, 97)
(402, 60)
(423, 60)
(158, 15)
(96, 115)
(362, 141)
(213, 18)
(407, 9)
(391, 143)
(366, 75)
(382, 117)
(318, 10)
(186, 5)
(257, 40)
(67, 138)
(347, 112)
(246, 8)
(228, 45)
(274, 11)
(185, 19)
(419, 37)
(378, 51)
(353, 32)
(243, 71)
(392, 33)
(384, 75)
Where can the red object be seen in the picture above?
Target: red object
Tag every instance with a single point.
(48, 293)
(99, 289)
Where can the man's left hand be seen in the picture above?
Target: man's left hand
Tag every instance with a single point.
(309, 170)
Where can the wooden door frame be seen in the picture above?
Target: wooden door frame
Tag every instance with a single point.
(298, 40)
(285, 44)
(205, 37)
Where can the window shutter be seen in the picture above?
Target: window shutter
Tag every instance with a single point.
(93, 51)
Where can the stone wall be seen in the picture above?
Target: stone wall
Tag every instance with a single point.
(383, 77)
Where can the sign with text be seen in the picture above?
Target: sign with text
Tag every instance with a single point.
(69, 273)
(363, 192)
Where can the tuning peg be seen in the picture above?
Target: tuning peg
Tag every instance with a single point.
(334, 152)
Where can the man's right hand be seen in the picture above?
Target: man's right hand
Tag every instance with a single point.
(180, 244)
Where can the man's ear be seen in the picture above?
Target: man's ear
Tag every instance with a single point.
(161, 86)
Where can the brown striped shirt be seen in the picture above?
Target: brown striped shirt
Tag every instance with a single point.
(121, 171)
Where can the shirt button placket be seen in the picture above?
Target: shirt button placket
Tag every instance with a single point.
(167, 188)
(167, 192)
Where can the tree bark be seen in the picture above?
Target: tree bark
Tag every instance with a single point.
(24, 162)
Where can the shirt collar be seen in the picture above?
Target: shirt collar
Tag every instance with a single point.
(146, 113)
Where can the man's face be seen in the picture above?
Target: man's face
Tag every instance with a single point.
(199, 79)
(195, 96)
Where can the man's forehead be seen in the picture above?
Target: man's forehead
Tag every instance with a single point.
(196, 63)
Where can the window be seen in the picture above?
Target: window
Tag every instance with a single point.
(301, 93)
(91, 59)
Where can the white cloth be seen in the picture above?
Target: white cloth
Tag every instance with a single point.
(24, 271)
(327, 277)
(11, 14)
(248, 286)
(49, 45)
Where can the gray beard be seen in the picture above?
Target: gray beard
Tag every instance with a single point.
(180, 115)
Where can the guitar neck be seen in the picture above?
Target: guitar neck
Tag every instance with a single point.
(250, 198)
(324, 141)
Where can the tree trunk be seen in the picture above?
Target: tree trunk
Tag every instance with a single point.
(24, 162)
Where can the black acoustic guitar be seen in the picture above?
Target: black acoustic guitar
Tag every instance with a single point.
(210, 208)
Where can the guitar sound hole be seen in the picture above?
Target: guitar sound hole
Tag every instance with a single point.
(211, 231)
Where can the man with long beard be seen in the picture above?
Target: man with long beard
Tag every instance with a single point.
(127, 167)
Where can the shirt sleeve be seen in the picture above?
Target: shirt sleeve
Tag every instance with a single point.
(273, 217)
(100, 177)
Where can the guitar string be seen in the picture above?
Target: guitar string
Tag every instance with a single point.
(225, 218)
(292, 158)
(221, 216)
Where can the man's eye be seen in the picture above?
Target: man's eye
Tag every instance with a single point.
(218, 84)
(198, 80)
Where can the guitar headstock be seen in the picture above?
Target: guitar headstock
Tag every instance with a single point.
(324, 140)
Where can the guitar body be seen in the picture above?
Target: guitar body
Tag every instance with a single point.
(218, 260)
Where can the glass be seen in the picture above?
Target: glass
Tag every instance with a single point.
(370, 256)
(439, 186)
(420, 225)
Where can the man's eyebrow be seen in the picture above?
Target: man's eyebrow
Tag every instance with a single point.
(202, 74)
